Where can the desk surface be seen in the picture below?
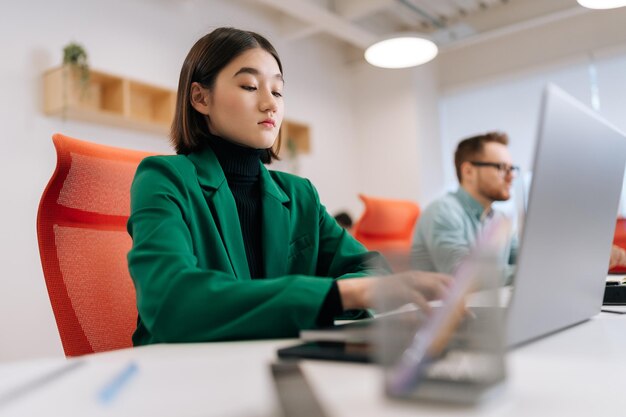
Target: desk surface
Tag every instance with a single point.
(580, 371)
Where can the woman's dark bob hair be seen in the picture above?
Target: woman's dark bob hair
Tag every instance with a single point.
(205, 60)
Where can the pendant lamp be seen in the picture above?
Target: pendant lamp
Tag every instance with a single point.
(602, 4)
(401, 51)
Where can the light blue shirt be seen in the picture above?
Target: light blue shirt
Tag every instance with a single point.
(448, 229)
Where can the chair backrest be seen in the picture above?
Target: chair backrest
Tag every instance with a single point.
(81, 228)
(386, 224)
(619, 239)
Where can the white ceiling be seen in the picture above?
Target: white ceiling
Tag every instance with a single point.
(450, 23)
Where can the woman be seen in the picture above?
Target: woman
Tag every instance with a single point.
(224, 249)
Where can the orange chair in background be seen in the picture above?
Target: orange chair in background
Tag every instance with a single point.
(386, 224)
(81, 228)
(619, 239)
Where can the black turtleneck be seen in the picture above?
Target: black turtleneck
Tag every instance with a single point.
(242, 168)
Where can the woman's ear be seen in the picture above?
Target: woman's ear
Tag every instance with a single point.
(199, 97)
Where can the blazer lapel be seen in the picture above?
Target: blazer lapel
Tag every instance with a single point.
(275, 226)
(222, 205)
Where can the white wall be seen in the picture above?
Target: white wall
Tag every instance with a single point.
(146, 40)
(537, 43)
(318, 93)
(396, 118)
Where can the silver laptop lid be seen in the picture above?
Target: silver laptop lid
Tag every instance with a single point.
(573, 202)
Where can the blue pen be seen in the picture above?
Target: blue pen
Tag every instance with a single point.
(108, 393)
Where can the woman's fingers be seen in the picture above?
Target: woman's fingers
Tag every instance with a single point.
(395, 290)
(432, 285)
(421, 301)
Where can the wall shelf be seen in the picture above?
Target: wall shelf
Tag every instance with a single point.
(108, 99)
(296, 136)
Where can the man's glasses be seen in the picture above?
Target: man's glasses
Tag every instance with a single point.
(503, 169)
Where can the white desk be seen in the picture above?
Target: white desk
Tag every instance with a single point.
(577, 372)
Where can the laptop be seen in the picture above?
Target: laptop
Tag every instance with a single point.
(573, 203)
(568, 230)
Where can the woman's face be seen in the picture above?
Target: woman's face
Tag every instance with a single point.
(246, 104)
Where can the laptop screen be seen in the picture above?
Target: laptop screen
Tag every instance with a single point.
(568, 228)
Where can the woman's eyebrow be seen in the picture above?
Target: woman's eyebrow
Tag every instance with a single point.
(254, 71)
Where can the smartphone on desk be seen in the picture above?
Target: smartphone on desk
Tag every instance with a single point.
(332, 351)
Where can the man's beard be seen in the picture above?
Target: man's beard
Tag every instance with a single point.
(495, 194)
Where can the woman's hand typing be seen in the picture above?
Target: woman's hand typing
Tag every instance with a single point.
(394, 290)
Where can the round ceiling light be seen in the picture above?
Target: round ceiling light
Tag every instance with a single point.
(602, 4)
(401, 51)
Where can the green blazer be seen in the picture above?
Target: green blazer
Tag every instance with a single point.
(189, 264)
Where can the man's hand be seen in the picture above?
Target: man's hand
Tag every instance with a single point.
(618, 257)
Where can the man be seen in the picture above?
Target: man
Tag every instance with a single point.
(449, 227)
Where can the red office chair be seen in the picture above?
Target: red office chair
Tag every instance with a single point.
(386, 224)
(81, 228)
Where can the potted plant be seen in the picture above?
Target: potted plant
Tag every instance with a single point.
(75, 57)
(77, 90)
